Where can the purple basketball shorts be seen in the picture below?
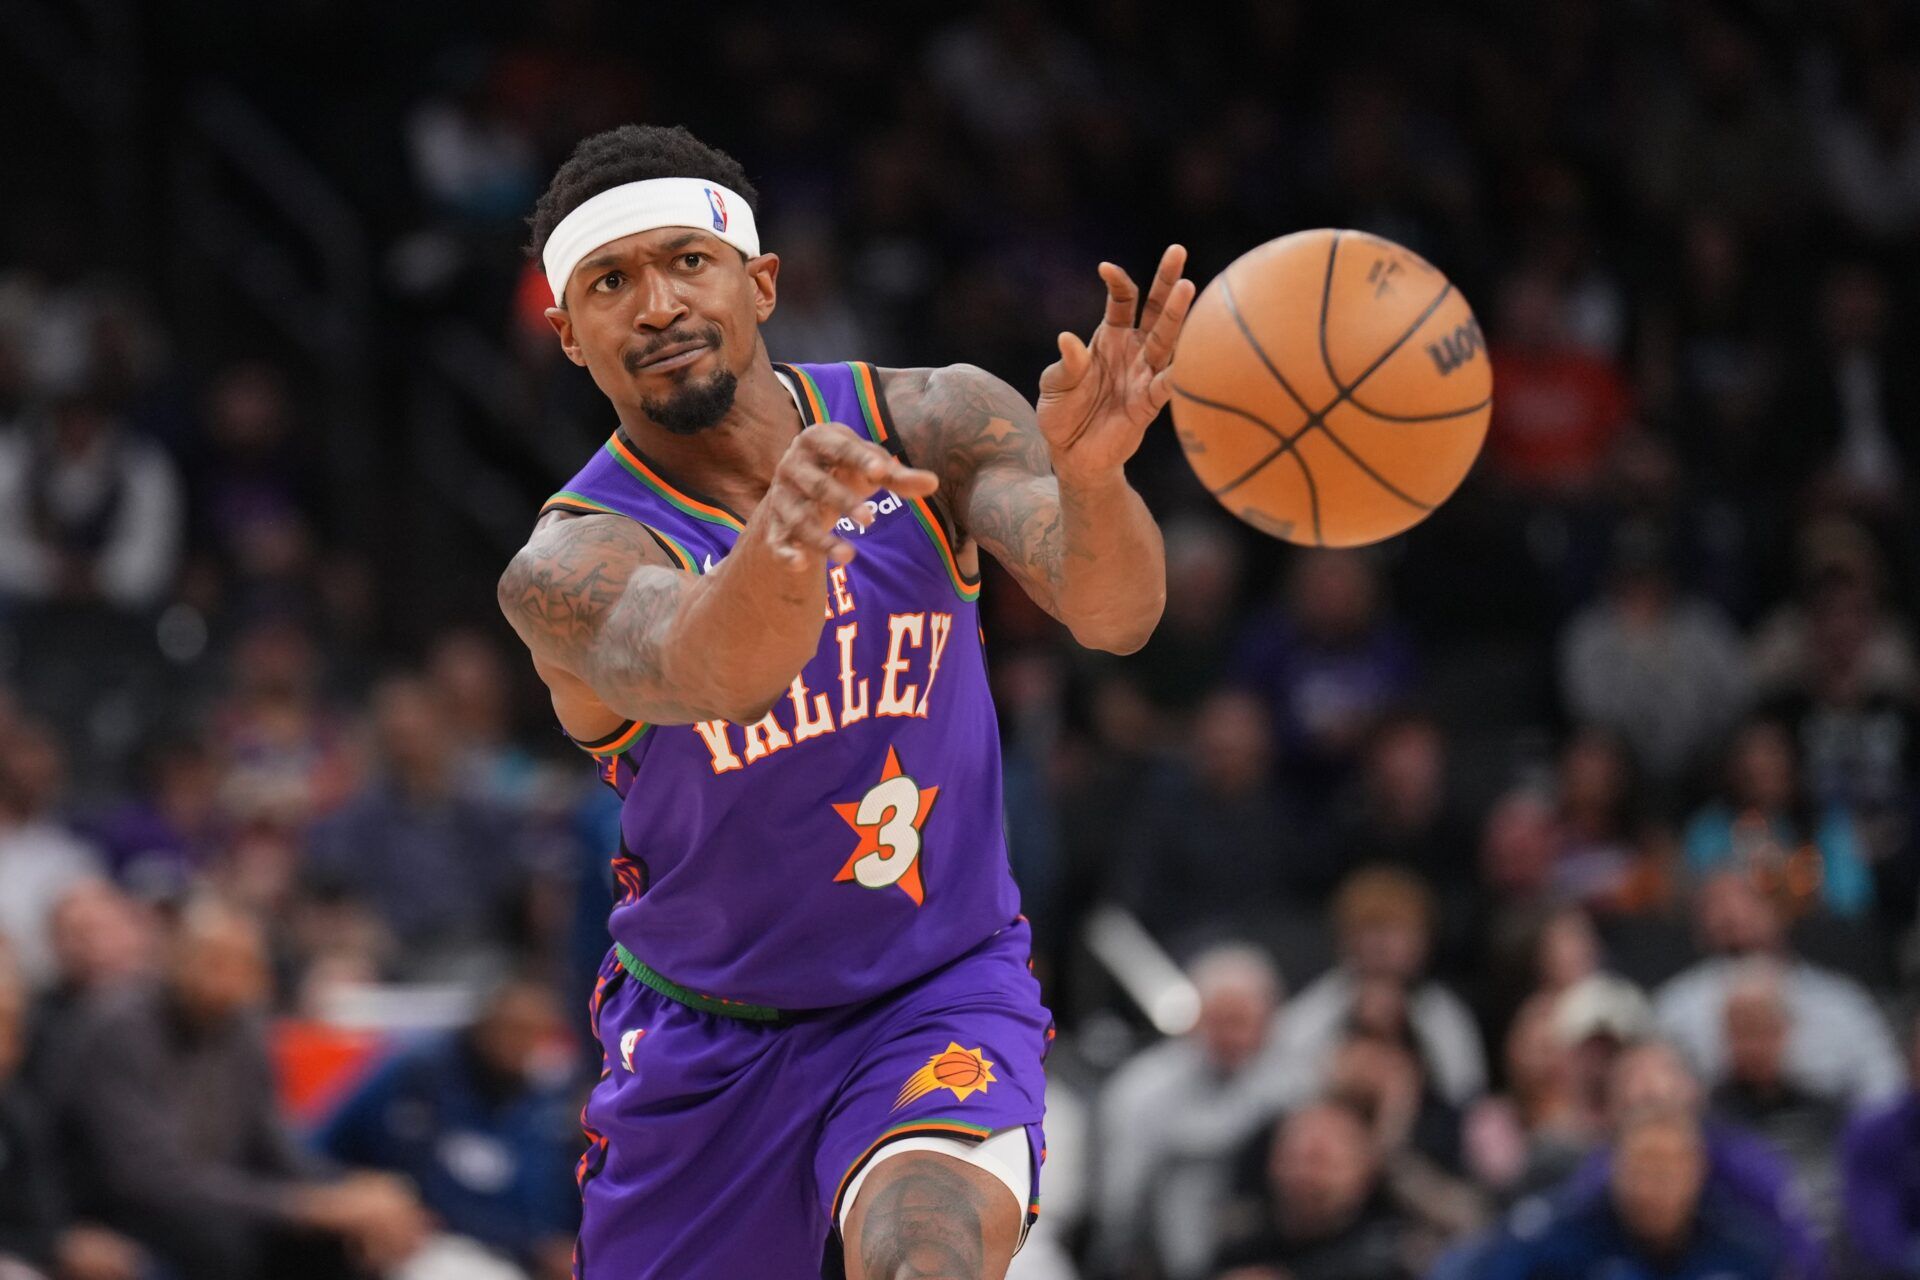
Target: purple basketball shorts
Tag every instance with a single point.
(719, 1148)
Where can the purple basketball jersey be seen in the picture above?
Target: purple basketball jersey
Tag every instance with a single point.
(851, 840)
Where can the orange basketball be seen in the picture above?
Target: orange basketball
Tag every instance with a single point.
(957, 1070)
(1331, 388)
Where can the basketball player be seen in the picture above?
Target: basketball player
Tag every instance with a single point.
(756, 608)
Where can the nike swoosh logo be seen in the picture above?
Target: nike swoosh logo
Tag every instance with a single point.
(706, 566)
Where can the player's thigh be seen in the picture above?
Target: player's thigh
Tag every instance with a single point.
(930, 1216)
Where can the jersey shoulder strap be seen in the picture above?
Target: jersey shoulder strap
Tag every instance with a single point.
(848, 391)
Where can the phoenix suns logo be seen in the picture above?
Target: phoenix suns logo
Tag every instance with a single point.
(964, 1071)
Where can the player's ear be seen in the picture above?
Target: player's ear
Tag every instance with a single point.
(562, 323)
(764, 271)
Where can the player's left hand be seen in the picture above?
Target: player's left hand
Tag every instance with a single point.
(1097, 399)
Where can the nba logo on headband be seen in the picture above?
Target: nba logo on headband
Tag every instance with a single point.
(634, 207)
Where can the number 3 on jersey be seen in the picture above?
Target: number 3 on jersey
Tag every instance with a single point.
(889, 820)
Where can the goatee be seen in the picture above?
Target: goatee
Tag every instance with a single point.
(694, 406)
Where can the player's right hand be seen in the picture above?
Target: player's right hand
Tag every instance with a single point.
(829, 474)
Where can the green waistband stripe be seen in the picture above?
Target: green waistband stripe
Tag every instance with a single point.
(692, 999)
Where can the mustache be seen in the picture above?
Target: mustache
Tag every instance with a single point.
(634, 359)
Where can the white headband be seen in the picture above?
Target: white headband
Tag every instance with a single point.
(643, 206)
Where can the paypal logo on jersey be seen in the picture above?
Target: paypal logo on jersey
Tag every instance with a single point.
(884, 507)
(719, 207)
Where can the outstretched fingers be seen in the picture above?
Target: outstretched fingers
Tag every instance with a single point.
(1165, 330)
(1123, 296)
(1166, 278)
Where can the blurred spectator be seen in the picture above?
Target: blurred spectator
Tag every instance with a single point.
(1840, 601)
(1327, 1216)
(1759, 1096)
(1598, 1020)
(37, 1229)
(1765, 827)
(156, 840)
(1533, 1134)
(1567, 952)
(1712, 366)
(1400, 809)
(219, 1191)
(1881, 1193)
(1870, 150)
(100, 940)
(1384, 918)
(283, 751)
(40, 856)
(1011, 70)
(1661, 670)
(1746, 1179)
(1170, 1120)
(1838, 1046)
(471, 158)
(1328, 661)
(90, 513)
(815, 320)
(480, 1124)
(1721, 135)
(1192, 645)
(473, 688)
(1856, 401)
(1189, 868)
(1844, 676)
(1378, 1071)
(1602, 862)
(252, 485)
(1416, 1133)
(1654, 1220)
(440, 868)
(1561, 406)
(1520, 849)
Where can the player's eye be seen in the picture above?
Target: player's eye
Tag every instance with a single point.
(609, 282)
(692, 261)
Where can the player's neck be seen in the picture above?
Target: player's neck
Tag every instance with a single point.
(733, 460)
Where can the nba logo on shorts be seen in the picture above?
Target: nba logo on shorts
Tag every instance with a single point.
(628, 1039)
(719, 208)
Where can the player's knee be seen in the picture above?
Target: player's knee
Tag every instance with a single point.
(922, 1214)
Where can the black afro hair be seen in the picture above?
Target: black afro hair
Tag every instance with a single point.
(631, 153)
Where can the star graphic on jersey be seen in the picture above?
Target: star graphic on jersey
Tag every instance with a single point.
(889, 820)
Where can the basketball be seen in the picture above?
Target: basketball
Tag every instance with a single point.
(957, 1070)
(1331, 388)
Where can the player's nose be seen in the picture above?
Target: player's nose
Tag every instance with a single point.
(660, 302)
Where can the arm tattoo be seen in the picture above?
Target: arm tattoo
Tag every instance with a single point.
(575, 597)
(979, 434)
(924, 1225)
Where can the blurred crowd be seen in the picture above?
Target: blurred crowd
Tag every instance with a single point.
(1548, 876)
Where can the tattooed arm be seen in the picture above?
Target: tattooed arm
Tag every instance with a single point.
(1044, 488)
(1085, 549)
(610, 620)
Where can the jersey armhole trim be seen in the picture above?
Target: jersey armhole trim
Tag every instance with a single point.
(615, 743)
(933, 519)
(813, 402)
(580, 505)
(577, 503)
